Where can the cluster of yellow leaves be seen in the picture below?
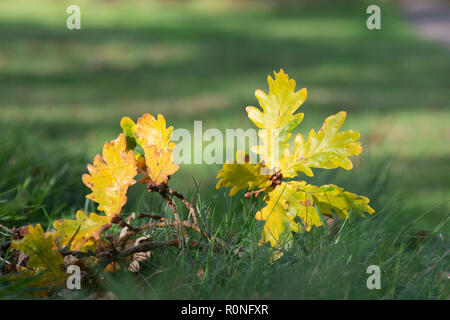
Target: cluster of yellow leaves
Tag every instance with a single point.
(329, 148)
(109, 178)
(298, 199)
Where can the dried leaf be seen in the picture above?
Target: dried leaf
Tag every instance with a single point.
(138, 257)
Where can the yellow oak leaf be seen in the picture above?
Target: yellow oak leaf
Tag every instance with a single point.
(298, 199)
(278, 225)
(331, 199)
(242, 174)
(153, 132)
(284, 204)
(82, 231)
(328, 149)
(153, 136)
(42, 258)
(159, 164)
(110, 176)
(277, 118)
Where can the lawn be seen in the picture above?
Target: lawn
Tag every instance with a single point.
(63, 93)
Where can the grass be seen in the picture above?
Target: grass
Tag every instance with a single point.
(63, 94)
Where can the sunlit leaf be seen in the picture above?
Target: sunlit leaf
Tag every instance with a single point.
(284, 204)
(242, 174)
(297, 199)
(80, 231)
(153, 136)
(331, 199)
(110, 176)
(329, 148)
(277, 118)
(159, 164)
(153, 132)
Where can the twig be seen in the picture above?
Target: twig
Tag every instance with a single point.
(122, 223)
(79, 254)
(149, 245)
(164, 223)
(276, 180)
(254, 193)
(178, 221)
(157, 224)
(164, 190)
(151, 216)
(5, 261)
(185, 202)
(6, 229)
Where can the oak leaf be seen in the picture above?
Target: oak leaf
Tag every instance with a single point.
(242, 174)
(298, 199)
(284, 204)
(110, 176)
(43, 260)
(81, 232)
(154, 138)
(329, 148)
(277, 118)
(333, 200)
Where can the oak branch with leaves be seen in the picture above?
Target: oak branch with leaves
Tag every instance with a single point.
(286, 200)
(143, 151)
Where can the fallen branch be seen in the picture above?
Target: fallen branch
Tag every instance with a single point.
(108, 257)
(165, 223)
(151, 216)
(149, 245)
(75, 253)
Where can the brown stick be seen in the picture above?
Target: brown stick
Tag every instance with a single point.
(177, 219)
(185, 202)
(80, 254)
(151, 216)
(149, 245)
(107, 256)
(6, 229)
(157, 224)
(165, 223)
(254, 193)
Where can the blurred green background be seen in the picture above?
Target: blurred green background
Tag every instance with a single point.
(63, 92)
